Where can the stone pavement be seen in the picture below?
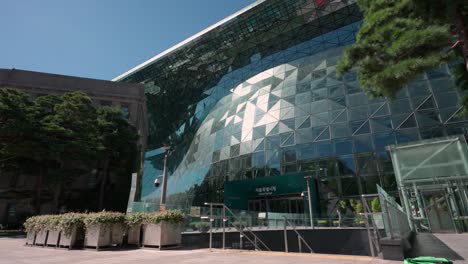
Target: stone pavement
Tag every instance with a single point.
(12, 251)
(428, 244)
(457, 242)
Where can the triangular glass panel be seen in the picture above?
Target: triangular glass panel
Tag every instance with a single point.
(285, 137)
(379, 109)
(360, 127)
(259, 132)
(303, 122)
(324, 135)
(259, 145)
(428, 104)
(289, 123)
(408, 123)
(339, 116)
(274, 130)
(427, 118)
(452, 114)
(258, 117)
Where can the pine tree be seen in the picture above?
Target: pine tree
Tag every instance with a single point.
(401, 39)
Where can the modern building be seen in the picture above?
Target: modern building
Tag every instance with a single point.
(252, 104)
(16, 191)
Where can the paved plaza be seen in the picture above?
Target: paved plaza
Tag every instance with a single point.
(12, 250)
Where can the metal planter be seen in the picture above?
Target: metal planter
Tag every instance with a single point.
(134, 235)
(30, 236)
(41, 238)
(53, 238)
(103, 235)
(162, 234)
(68, 240)
(117, 232)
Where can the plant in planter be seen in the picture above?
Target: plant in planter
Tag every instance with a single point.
(375, 205)
(163, 228)
(36, 226)
(134, 223)
(71, 226)
(322, 222)
(377, 212)
(103, 229)
(31, 228)
(201, 226)
(53, 229)
(340, 210)
(336, 223)
(358, 209)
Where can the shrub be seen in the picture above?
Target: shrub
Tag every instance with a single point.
(342, 206)
(135, 219)
(359, 221)
(30, 225)
(69, 221)
(42, 222)
(375, 205)
(103, 218)
(170, 216)
(322, 222)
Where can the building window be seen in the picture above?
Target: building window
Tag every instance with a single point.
(105, 103)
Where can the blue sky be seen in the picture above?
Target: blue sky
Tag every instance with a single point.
(99, 38)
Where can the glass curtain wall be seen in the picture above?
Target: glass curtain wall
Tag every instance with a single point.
(272, 105)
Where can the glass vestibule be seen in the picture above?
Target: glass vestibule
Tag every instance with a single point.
(432, 177)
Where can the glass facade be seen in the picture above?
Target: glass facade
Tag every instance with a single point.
(258, 96)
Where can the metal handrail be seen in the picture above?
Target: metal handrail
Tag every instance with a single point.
(240, 229)
(299, 236)
(374, 240)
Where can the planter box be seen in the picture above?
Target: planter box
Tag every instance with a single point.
(163, 234)
(103, 235)
(134, 235)
(117, 232)
(30, 238)
(41, 238)
(98, 236)
(53, 238)
(68, 241)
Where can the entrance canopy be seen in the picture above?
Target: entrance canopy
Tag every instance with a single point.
(432, 177)
(430, 160)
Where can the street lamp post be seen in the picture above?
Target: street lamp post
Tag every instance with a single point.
(162, 203)
(307, 178)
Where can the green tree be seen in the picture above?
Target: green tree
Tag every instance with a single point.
(59, 138)
(119, 153)
(16, 116)
(68, 127)
(401, 39)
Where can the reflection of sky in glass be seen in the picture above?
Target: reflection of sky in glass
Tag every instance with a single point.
(288, 112)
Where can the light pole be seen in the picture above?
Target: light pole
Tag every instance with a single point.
(162, 203)
(307, 178)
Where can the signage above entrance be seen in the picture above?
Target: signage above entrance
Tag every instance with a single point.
(238, 193)
(266, 190)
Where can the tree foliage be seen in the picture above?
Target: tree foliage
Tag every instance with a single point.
(60, 138)
(399, 40)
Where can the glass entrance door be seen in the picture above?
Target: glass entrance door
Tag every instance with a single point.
(285, 205)
(438, 211)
